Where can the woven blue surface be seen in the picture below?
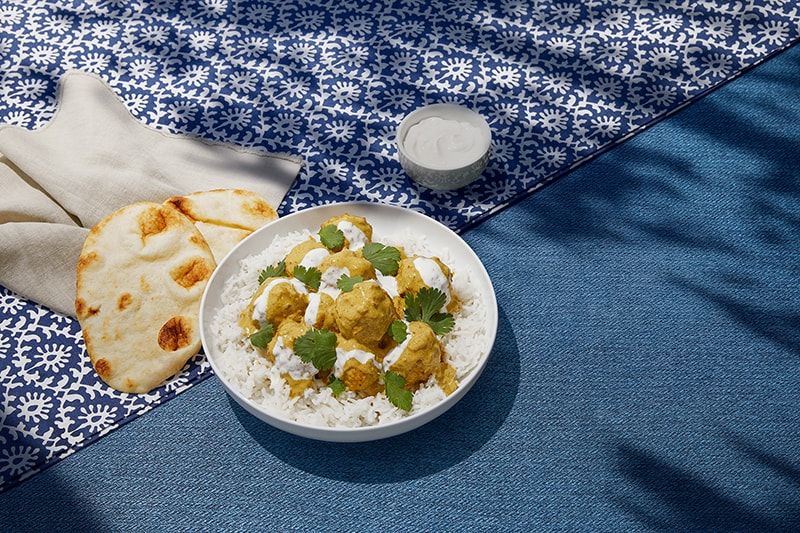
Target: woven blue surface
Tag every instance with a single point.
(645, 375)
(559, 82)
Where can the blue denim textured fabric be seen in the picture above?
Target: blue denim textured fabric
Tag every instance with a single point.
(645, 375)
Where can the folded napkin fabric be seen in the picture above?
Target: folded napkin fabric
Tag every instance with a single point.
(91, 159)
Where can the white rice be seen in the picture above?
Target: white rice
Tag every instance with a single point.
(257, 379)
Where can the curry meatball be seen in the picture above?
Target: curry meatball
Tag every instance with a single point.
(419, 357)
(297, 374)
(308, 253)
(357, 231)
(416, 272)
(357, 368)
(364, 313)
(276, 300)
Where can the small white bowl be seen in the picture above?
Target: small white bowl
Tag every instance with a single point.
(385, 220)
(441, 175)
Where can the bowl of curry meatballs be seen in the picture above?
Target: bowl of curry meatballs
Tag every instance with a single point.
(349, 322)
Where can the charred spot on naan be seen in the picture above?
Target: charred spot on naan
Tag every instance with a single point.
(156, 218)
(84, 310)
(85, 261)
(180, 203)
(103, 368)
(192, 272)
(176, 333)
(124, 301)
(257, 207)
(152, 221)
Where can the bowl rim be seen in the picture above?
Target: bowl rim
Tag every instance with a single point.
(450, 111)
(342, 434)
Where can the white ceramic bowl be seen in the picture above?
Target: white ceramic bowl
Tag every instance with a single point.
(385, 220)
(440, 175)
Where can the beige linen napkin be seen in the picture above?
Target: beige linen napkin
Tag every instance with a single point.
(91, 159)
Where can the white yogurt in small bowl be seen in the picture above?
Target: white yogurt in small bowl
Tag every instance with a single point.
(444, 146)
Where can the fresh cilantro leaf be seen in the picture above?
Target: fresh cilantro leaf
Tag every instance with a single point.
(332, 237)
(311, 276)
(346, 283)
(337, 385)
(395, 391)
(262, 337)
(398, 331)
(384, 258)
(424, 306)
(441, 323)
(273, 271)
(424, 303)
(318, 347)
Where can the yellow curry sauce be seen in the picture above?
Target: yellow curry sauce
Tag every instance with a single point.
(360, 314)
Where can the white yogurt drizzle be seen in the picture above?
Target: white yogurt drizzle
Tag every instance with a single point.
(342, 356)
(310, 316)
(314, 257)
(388, 283)
(396, 352)
(355, 237)
(329, 278)
(432, 275)
(288, 363)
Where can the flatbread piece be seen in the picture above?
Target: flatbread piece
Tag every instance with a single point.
(141, 275)
(224, 216)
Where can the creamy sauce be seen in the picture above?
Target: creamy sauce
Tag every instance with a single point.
(442, 143)
(396, 352)
(260, 305)
(355, 237)
(288, 363)
(388, 283)
(310, 316)
(314, 257)
(327, 283)
(342, 356)
(431, 273)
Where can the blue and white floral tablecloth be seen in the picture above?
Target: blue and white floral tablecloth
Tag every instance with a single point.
(559, 82)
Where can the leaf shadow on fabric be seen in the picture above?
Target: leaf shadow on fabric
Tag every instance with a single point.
(751, 308)
(23, 509)
(440, 444)
(785, 469)
(735, 235)
(717, 229)
(671, 497)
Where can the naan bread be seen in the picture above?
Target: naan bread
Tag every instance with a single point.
(141, 275)
(224, 216)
